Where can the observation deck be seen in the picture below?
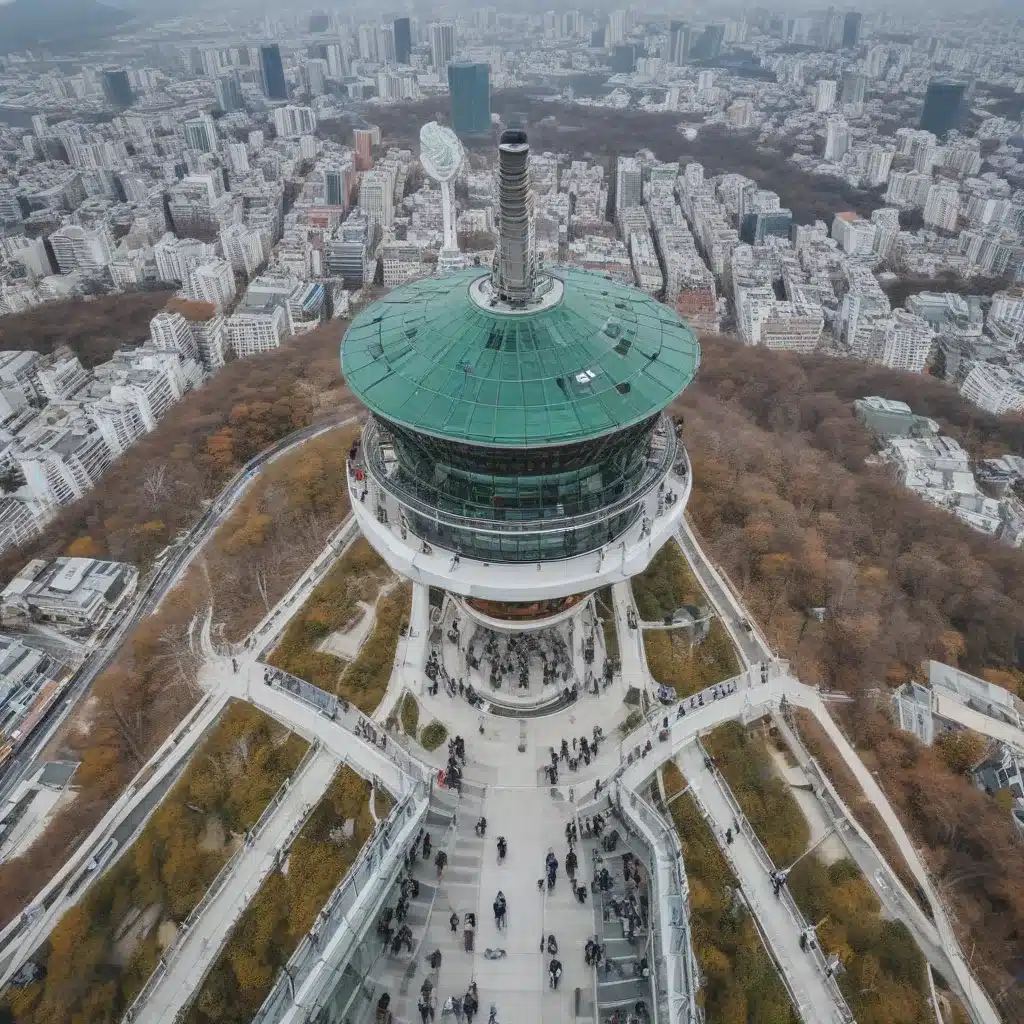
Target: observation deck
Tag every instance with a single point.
(530, 560)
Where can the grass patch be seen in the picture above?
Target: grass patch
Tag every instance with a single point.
(94, 971)
(333, 606)
(287, 904)
(884, 978)
(410, 715)
(365, 681)
(765, 798)
(674, 662)
(665, 584)
(606, 611)
(740, 981)
(433, 736)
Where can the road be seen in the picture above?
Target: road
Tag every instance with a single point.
(26, 760)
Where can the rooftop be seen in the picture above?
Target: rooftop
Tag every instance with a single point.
(601, 358)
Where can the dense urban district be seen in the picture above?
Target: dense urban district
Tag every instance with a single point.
(646, 575)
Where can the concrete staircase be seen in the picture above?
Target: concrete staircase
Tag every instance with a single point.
(450, 821)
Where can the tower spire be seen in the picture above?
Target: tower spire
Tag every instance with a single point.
(515, 272)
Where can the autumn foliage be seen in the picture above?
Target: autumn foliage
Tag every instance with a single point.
(740, 983)
(785, 503)
(94, 328)
(102, 951)
(287, 905)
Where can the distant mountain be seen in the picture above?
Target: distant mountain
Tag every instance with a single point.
(55, 24)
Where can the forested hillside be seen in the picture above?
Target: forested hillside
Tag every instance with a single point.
(94, 328)
(788, 507)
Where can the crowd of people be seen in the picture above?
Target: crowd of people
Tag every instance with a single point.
(584, 749)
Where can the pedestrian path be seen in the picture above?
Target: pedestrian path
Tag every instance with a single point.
(807, 984)
(198, 950)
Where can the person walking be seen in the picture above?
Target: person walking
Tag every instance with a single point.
(554, 972)
(470, 1002)
(502, 849)
(454, 922)
(500, 906)
(467, 933)
(571, 862)
(440, 862)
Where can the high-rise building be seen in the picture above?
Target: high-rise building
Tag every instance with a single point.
(851, 29)
(824, 95)
(678, 42)
(837, 139)
(201, 134)
(243, 248)
(709, 44)
(942, 106)
(229, 92)
(77, 248)
(362, 143)
(117, 88)
(403, 40)
(336, 184)
(469, 85)
(616, 32)
(386, 44)
(628, 184)
(376, 198)
(272, 73)
(238, 158)
(854, 88)
(942, 207)
(442, 43)
(292, 121)
(879, 165)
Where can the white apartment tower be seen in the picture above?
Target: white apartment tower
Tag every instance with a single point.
(824, 95)
(441, 35)
(292, 121)
(629, 182)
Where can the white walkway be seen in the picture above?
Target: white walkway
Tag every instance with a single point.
(199, 950)
(807, 985)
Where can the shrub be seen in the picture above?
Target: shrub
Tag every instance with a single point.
(674, 662)
(410, 715)
(287, 905)
(665, 584)
(606, 610)
(633, 719)
(333, 606)
(433, 736)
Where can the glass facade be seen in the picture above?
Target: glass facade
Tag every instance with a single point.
(470, 88)
(519, 505)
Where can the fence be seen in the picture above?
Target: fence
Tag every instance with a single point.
(357, 894)
(673, 949)
(172, 952)
(348, 717)
(785, 896)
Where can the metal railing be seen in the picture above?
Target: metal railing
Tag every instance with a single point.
(348, 717)
(673, 943)
(352, 906)
(171, 953)
(664, 458)
(785, 896)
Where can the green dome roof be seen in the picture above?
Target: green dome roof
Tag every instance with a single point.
(602, 358)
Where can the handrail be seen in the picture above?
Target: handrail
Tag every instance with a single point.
(786, 897)
(348, 717)
(670, 875)
(310, 950)
(654, 474)
(171, 953)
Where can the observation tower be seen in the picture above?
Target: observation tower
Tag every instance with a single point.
(517, 455)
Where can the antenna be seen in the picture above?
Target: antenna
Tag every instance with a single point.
(515, 273)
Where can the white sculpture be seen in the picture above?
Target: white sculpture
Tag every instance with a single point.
(442, 155)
